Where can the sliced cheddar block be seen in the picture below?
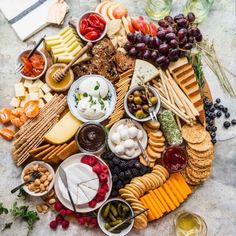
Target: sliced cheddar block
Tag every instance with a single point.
(157, 213)
(178, 187)
(161, 199)
(175, 191)
(150, 216)
(183, 183)
(166, 198)
(157, 203)
(171, 195)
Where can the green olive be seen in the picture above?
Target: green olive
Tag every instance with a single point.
(137, 93)
(139, 114)
(145, 108)
(130, 97)
(137, 100)
(153, 100)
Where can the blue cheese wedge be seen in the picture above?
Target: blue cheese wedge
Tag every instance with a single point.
(145, 70)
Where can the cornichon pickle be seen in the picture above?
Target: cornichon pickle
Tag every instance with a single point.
(106, 211)
(114, 211)
(119, 209)
(111, 216)
(116, 231)
(115, 222)
(107, 226)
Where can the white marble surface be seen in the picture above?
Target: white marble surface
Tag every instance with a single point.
(214, 200)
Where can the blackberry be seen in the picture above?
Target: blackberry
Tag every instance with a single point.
(135, 172)
(121, 175)
(142, 171)
(107, 155)
(126, 181)
(137, 165)
(119, 184)
(131, 163)
(114, 178)
(116, 161)
(115, 170)
(128, 174)
(110, 163)
(123, 165)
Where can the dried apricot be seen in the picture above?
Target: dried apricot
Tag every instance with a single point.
(23, 118)
(5, 114)
(31, 109)
(17, 112)
(7, 133)
(17, 122)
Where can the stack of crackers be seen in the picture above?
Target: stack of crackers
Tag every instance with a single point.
(54, 154)
(122, 87)
(200, 154)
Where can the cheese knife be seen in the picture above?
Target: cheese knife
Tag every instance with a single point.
(64, 180)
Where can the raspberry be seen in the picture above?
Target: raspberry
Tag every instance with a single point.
(69, 212)
(53, 224)
(102, 192)
(93, 223)
(86, 159)
(92, 161)
(59, 218)
(103, 177)
(65, 224)
(104, 169)
(99, 198)
(77, 215)
(82, 220)
(92, 203)
(63, 212)
(105, 187)
(58, 206)
(97, 168)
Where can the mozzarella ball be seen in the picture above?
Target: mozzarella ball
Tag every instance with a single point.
(119, 149)
(124, 134)
(133, 132)
(129, 143)
(115, 138)
(120, 127)
(140, 134)
(130, 152)
(136, 146)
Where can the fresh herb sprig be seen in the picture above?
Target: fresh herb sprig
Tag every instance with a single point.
(22, 194)
(3, 209)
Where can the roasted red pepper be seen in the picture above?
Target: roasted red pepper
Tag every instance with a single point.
(100, 19)
(94, 21)
(83, 26)
(92, 35)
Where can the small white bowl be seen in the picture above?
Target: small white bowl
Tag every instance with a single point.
(156, 109)
(51, 171)
(101, 222)
(44, 69)
(85, 16)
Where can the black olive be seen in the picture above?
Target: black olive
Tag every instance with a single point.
(216, 105)
(211, 122)
(213, 128)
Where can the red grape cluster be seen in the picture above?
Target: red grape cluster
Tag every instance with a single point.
(175, 36)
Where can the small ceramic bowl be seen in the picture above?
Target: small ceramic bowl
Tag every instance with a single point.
(156, 109)
(51, 171)
(101, 221)
(44, 69)
(85, 15)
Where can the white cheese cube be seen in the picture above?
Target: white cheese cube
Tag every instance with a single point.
(38, 83)
(33, 88)
(27, 97)
(45, 88)
(41, 103)
(28, 83)
(15, 102)
(33, 96)
(19, 90)
(47, 97)
(22, 103)
(41, 94)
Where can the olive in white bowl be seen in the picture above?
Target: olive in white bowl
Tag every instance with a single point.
(136, 103)
(41, 186)
(113, 212)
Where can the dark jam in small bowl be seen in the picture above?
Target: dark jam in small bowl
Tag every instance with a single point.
(175, 159)
(91, 137)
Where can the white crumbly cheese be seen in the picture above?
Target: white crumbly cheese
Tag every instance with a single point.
(45, 88)
(33, 88)
(47, 97)
(33, 96)
(41, 103)
(41, 94)
(145, 70)
(19, 90)
(38, 83)
(28, 83)
(15, 102)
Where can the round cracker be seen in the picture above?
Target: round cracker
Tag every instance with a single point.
(156, 143)
(202, 175)
(134, 190)
(157, 134)
(150, 180)
(146, 182)
(149, 130)
(130, 200)
(197, 168)
(128, 191)
(162, 169)
(200, 155)
(153, 124)
(194, 134)
(139, 184)
(127, 195)
(152, 153)
(203, 146)
(157, 149)
(140, 222)
(201, 163)
(188, 180)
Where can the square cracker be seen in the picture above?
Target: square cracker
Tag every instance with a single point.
(69, 150)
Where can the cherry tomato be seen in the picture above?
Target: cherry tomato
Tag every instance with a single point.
(100, 19)
(92, 35)
(83, 26)
(89, 29)
(94, 21)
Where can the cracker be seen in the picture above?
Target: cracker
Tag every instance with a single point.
(202, 175)
(54, 157)
(153, 124)
(194, 134)
(39, 149)
(51, 154)
(140, 222)
(203, 146)
(45, 152)
(157, 149)
(197, 168)
(199, 155)
(188, 180)
(69, 150)
(201, 163)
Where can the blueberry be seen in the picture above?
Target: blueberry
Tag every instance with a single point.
(205, 99)
(216, 105)
(137, 165)
(116, 161)
(212, 109)
(114, 178)
(218, 100)
(211, 122)
(114, 193)
(226, 124)
(227, 115)
(213, 140)
(233, 122)
(218, 114)
(213, 115)
(208, 119)
(213, 134)
(225, 109)
(208, 128)
(128, 174)
(221, 107)
(121, 175)
(213, 128)
(115, 170)
(119, 184)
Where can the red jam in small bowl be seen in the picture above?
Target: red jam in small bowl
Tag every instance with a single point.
(175, 158)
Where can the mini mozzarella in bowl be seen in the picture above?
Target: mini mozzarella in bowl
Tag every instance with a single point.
(92, 98)
(122, 139)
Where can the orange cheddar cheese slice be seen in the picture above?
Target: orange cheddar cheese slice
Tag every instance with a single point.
(178, 187)
(157, 203)
(150, 216)
(183, 183)
(174, 191)
(171, 195)
(151, 207)
(166, 198)
(161, 199)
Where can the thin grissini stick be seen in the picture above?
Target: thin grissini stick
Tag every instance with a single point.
(178, 122)
(165, 89)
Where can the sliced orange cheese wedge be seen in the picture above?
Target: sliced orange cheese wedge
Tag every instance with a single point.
(166, 198)
(157, 203)
(171, 195)
(178, 187)
(150, 216)
(175, 191)
(161, 199)
(182, 182)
